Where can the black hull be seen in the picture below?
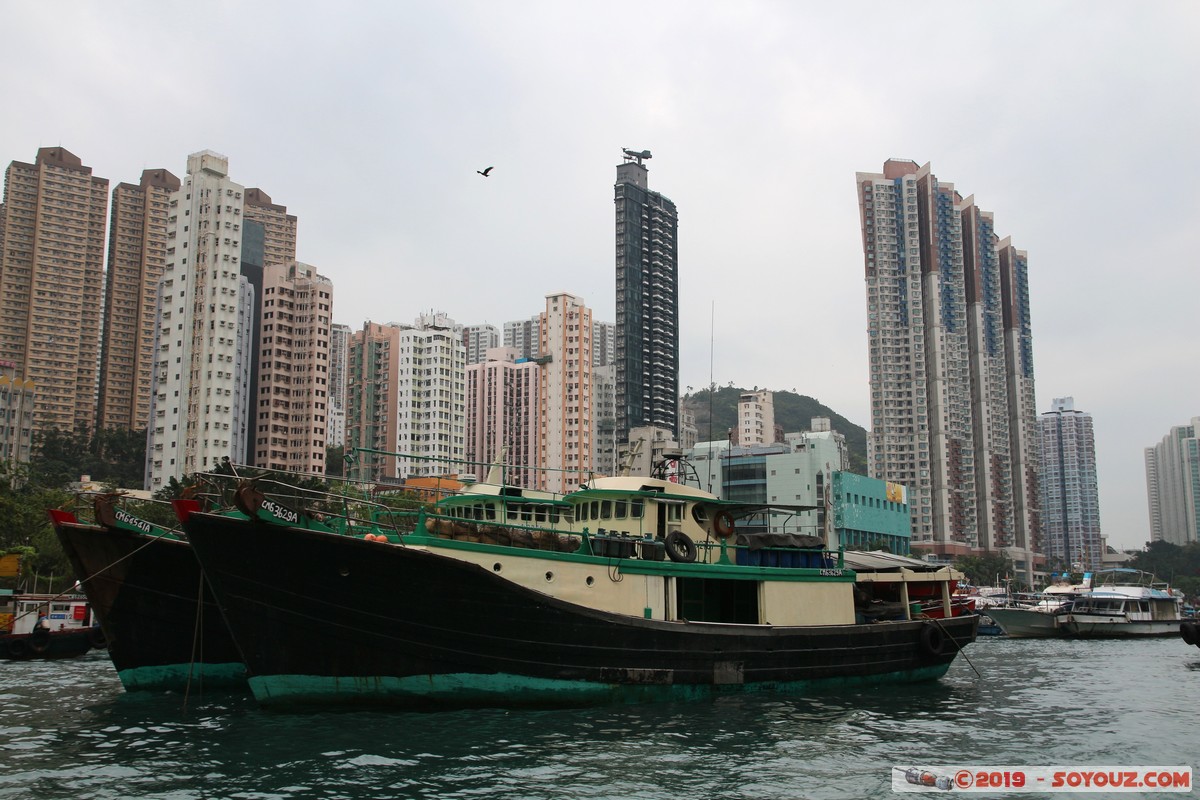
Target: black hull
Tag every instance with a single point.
(47, 644)
(327, 618)
(144, 590)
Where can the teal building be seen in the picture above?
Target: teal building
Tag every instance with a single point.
(869, 513)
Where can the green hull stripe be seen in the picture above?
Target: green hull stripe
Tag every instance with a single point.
(468, 689)
(176, 676)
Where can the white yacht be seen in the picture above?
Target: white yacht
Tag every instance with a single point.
(1125, 602)
(1044, 614)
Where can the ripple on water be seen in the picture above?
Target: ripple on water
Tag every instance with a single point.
(70, 731)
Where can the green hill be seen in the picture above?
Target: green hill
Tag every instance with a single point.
(793, 412)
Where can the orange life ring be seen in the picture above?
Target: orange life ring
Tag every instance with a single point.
(723, 524)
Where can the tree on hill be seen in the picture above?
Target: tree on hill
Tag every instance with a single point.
(1180, 566)
(793, 412)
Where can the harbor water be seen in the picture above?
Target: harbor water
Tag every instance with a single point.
(68, 730)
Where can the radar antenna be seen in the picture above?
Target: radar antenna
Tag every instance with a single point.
(634, 155)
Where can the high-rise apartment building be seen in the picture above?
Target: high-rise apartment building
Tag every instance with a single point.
(1023, 430)
(604, 344)
(565, 437)
(372, 383)
(502, 416)
(1173, 485)
(279, 227)
(17, 397)
(1070, 489)
(339, 353)
(479, 339)
(137, 253)
(756, 419)
(52, 225)
(292, 407)
(200, 412)
(951, 367)
(647, 326)
(407, 399)
(522, 336)
(604, 417)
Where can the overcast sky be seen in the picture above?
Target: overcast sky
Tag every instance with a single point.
(1076, 123)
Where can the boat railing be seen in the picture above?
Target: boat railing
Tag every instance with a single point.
(117, 509)
(335, 505)
(507, 534)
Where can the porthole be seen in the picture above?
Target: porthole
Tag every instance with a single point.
(549, 577)
(496, 567)
(590, 580)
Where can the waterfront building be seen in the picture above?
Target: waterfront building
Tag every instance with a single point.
(502, 416)
(52, 223)
(951, 368)
(406, 399)
(479, 339)
(201, 374)
(137, 253)
(210, 311)
(268, 239)
(869, 514)
(372, 383)
(1173, 485)
(339, 352)
(292, 407)
(203, 362)
(647, 326)
(796, 472)
(1023, 426)
(566, 420)
(432, 397)
(1070, 489)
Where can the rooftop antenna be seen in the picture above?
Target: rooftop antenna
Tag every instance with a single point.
(634, 155)
(712, 387)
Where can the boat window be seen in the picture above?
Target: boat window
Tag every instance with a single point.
(620, 509)
(526, 513)
(700, 513)
(635, 508)
(512, 513)
(606, 509)
(491, 512)
(714, 600)
(478, 511)
(568, 515)
(595, 510)
(674, 512)
(554, 516)
(540, 513)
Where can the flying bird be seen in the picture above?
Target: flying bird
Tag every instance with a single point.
(484, 172)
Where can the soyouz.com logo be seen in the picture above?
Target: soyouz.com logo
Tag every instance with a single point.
(1016, 780)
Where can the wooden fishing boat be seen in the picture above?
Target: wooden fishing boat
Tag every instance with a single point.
(629, 589)
(163, 629)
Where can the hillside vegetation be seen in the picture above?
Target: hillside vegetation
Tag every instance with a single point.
(794, 412)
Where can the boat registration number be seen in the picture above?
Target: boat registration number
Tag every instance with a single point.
(831, 573)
